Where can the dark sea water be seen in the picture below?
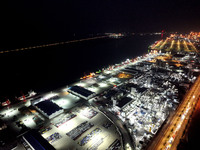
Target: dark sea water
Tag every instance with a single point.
(49, 68)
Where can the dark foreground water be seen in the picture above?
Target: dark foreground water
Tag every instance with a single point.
(49, 68)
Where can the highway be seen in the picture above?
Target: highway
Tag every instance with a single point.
(51, 44)
(171, 133)
(191, 135)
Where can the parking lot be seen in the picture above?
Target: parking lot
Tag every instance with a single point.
(101, 137)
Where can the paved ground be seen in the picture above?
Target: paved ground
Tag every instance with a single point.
(108, 135)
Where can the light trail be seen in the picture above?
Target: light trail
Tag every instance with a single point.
(191, 99)
(51, 44)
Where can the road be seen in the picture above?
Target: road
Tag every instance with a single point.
(170, 135)
(125, 135)
(191, 137)
(51, 44)
(127, 139)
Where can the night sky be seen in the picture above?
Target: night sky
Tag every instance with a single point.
(49, 20)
